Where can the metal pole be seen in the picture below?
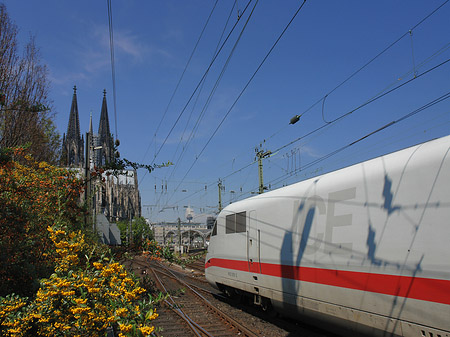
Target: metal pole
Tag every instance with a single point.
(129, 229)
(260, 155)
(87, 176)
(260, 172)
(179, 236)
(220, 195)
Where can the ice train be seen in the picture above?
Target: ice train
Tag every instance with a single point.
(364, 249)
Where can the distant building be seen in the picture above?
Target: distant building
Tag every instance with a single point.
(192, 234)
(117, 197)
(210, 222)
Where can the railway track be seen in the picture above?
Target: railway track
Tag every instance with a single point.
(172, 320)
(197, 265)
(186, 311)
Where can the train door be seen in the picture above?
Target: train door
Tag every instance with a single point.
(253, 243)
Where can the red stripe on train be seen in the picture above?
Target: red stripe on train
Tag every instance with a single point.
(426, 289)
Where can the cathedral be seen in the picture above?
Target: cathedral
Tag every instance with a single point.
(117, 197)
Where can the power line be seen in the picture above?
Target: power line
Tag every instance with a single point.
(196, 88)
(113, 67)
(422, 108)
(202, 113)
(245, 87)
(181, 78)
(345, 115)
(354, 74)
(218, 80)
(375, 57)
(363, 105)
(210, 96)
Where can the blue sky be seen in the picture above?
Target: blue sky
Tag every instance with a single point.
(325, 44)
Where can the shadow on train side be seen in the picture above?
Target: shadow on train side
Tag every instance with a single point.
(308, 210)
(418, 267)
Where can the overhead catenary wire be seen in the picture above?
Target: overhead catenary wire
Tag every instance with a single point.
(323, 128)
(204, 108)
(220, 77)
(246, 86)
(415, 68)
(195, 90)
(113, 67)
(363, 105)
(322, 99)
(202, 113)
(193, 107)
(338, 119)
(394, 122)
(180, 79)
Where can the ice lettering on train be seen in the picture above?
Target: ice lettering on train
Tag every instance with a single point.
(334, 221)
(313, 206)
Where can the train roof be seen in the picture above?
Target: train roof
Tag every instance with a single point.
(427, 150)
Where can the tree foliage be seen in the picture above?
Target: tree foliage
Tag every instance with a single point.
(25, 109)
(32, 196)
(55, 280)
(140, 230)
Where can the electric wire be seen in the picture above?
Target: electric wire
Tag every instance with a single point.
(202, 113)
(218, 80)
(363, 105)
(245, 87)
(195, 128)
(196, 88)
(180, 79)
(375, 57)
(411, 114)
(371, 100)
(337, 119)
(414, 70)
(113, 67)
(183, 151)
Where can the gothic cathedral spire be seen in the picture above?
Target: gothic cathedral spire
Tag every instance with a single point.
(73, 143)
(104, 134)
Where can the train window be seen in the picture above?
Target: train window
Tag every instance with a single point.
(214, 231)
(240, 222)
(230, 224)
(235, 223)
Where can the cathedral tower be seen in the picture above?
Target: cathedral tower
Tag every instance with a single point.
(105, 139)
(73, 142)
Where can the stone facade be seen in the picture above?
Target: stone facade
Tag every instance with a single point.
(118, 197)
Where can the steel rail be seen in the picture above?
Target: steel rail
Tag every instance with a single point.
(228, 319)
(193, 325)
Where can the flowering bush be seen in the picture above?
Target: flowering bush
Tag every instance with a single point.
(154, 251)
(80, 301)
(72, 288)
(32, 195)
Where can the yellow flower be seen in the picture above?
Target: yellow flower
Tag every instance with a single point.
(80, 301)
(147, 330)
(125, 328)
(98, 265)
(121, 312)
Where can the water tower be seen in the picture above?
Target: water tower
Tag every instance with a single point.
(189, 214)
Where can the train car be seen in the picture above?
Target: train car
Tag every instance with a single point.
(363, 250)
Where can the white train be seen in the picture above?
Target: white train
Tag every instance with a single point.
(364, 249)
